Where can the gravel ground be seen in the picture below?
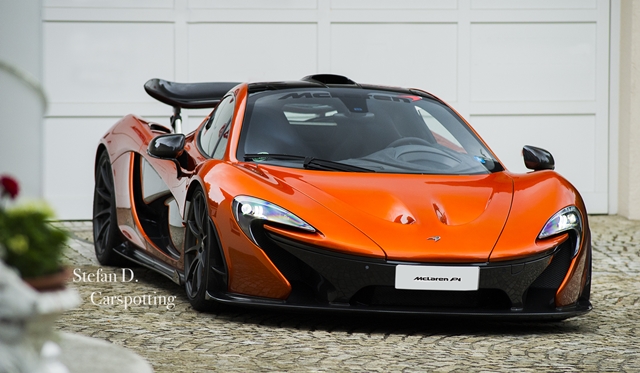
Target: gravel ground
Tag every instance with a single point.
(173, 337)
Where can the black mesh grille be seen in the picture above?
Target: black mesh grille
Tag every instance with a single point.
(553, 275)
(541, 294)
(306, 283)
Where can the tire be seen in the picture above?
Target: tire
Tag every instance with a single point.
(106, 234)
(200, 245)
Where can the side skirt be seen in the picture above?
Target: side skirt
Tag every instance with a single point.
(148, 261)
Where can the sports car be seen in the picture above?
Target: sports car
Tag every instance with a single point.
(328, 194)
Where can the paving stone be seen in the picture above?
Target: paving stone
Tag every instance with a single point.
(177, 338)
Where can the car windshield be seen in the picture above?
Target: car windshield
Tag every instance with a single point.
(366, 130)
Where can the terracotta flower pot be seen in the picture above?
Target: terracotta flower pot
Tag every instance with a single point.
(54, 281)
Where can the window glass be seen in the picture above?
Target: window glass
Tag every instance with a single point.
(215, 133)
(310, 114)
(440, 133)
(372, 129)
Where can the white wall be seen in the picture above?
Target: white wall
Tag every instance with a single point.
(21, 102)
(630, 110)
(528, 72)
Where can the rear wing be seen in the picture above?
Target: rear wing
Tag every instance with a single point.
(187, 96)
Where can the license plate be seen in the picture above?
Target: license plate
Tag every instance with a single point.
(417, 277)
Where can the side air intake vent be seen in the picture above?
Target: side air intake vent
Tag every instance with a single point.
(329, 79)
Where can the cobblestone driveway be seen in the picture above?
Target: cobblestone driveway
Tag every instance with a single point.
(181, 339)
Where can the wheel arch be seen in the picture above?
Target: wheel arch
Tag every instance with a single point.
(101, 149)
(193, 186)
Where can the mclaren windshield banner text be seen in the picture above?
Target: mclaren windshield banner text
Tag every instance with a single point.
(401, 98)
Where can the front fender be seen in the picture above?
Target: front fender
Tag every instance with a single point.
(536, 197)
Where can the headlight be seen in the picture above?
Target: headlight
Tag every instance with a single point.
(248, 209)
(564, 220)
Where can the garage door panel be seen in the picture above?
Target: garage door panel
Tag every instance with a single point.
(525, 72)
(253, 4)
(533, 62)
(109, 3)
(105, 62)
(396, 4)
(412, 55)
(533, 4)
(252, 51)
(570, 138)
(71, 165)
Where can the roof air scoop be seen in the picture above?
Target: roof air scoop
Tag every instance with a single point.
(329, 79)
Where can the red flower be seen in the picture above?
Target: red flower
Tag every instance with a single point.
(9, 187)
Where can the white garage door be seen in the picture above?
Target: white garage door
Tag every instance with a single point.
(522, 72)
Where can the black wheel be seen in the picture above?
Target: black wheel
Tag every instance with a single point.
(203, 263)
(106, 235)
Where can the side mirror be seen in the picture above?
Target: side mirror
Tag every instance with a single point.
(167, 146)
(537, 158)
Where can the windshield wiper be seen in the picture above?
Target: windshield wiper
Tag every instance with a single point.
(309, 163)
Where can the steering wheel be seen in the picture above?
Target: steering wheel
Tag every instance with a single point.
(409, 141)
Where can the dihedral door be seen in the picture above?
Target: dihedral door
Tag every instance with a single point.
(158, 211)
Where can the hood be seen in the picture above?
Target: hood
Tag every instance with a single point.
(422, 218)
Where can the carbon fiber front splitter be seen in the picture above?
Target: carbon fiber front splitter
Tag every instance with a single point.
(578, 309)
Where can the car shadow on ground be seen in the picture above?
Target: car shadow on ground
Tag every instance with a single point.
(394, 324)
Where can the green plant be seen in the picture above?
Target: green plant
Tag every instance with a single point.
(27, 241)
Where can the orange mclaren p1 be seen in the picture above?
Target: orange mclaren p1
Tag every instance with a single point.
(328, 194)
